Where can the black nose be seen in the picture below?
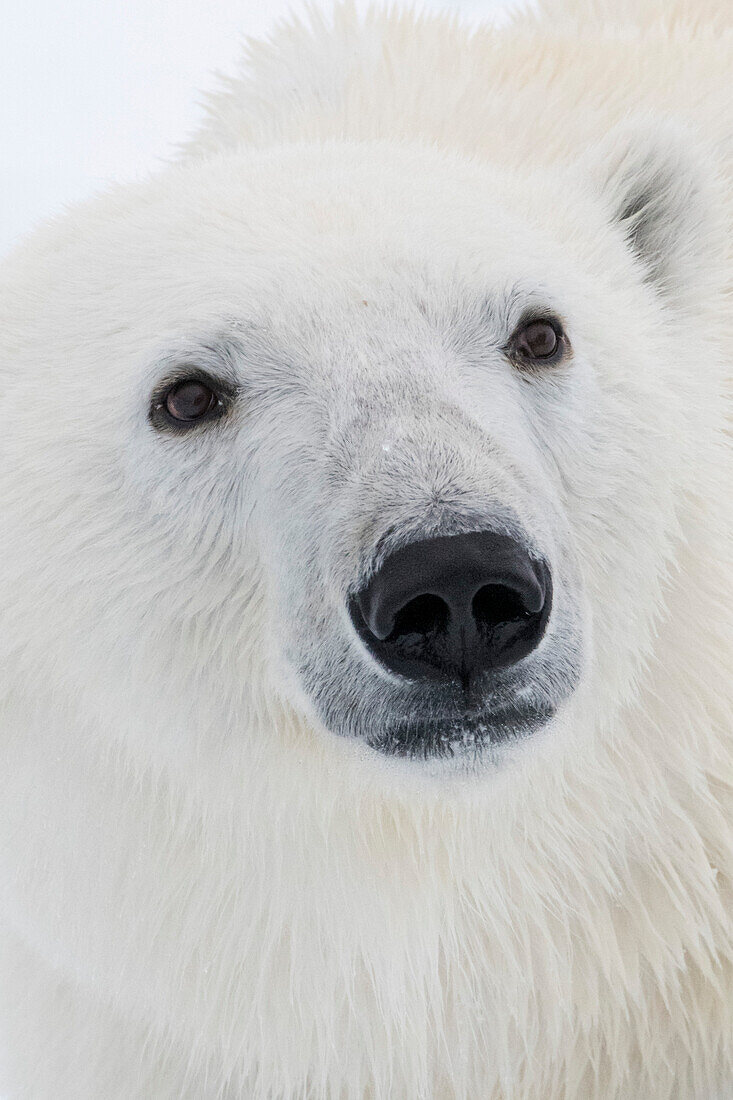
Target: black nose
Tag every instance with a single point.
(450, 608)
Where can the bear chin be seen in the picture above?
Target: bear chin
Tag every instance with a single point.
(471, 737)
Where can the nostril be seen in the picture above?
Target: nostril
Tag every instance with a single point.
(424, 615)
(495, 603)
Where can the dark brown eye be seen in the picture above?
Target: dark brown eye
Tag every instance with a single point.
(538, 340)
(190, 400)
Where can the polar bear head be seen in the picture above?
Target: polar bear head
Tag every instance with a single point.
(354, 445)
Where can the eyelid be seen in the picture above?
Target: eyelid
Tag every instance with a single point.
(542, 315)
(220, 386)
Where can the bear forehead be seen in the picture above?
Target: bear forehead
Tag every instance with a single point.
(297, 240)
(311, 211)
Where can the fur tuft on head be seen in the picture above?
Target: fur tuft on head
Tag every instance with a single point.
(650, 13)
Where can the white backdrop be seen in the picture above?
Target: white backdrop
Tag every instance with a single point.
(98, 90)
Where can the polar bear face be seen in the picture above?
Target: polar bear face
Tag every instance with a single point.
(369, 443)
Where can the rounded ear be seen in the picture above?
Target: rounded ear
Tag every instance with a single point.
(659, 188)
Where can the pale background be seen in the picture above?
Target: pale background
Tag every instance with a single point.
(95, 91)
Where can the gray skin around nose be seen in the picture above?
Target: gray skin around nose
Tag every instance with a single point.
(454, 607)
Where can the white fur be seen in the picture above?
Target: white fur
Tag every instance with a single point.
(204, 892)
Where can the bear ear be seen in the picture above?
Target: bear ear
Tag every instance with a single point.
(658, 187)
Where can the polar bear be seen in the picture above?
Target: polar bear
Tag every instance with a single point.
(366, 618)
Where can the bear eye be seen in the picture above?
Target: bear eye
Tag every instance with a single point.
(187, 402)
(538, 341)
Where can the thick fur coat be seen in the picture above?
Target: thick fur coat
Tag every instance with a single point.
(211, 886)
